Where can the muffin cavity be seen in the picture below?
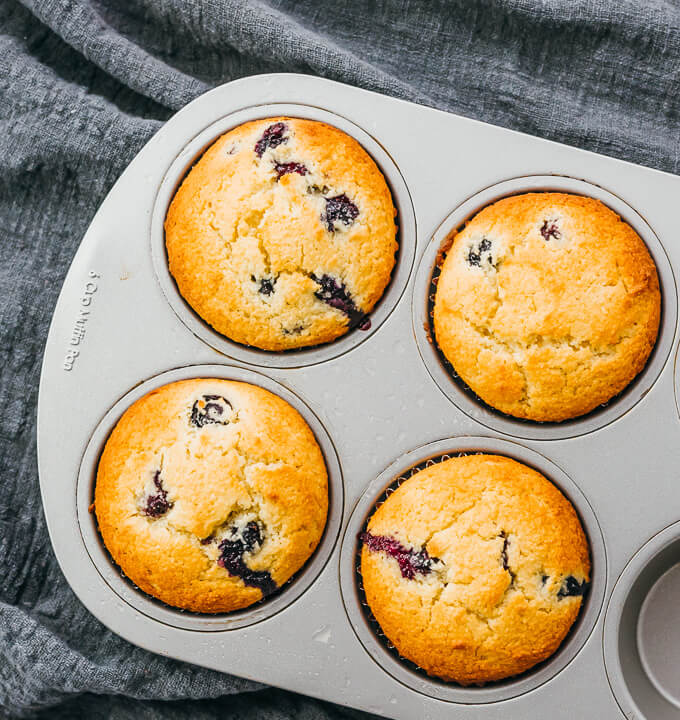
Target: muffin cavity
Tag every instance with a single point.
(210, 410)
(562, 331)
(211, 519)
(411, 562)
(487, 607)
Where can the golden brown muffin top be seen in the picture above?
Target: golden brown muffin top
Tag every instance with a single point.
(211, 494)
(475, 568)
(548, 305)
(283, 234)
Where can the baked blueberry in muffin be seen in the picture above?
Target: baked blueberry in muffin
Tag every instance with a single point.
(211, 494)
(283, 223)
(547, 305)
(475, 568)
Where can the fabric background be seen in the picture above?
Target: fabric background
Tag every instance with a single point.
(85, 83)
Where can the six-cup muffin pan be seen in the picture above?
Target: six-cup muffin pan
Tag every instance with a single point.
(381, 403)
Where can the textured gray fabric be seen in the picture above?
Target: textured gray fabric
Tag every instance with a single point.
(85, 83)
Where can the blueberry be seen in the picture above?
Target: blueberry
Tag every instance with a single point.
(157, 504)
(232, 549)
(210, 410)
(411, 562)
(476, 255)
(339, 209)
(289, 167)
(266, 284)
(571, 587)
(251, 536)
(549, 229)
(334, 293)
(272, 137)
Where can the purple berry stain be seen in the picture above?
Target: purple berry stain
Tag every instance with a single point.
(335, 294)
(549, 230)
(210, 410)
(289, 167)
(571, 587)
(232, 549)
(339, 209)
(411, 562)
(157, 504)
(272, 137)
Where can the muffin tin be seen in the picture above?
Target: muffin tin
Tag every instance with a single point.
(380, 403)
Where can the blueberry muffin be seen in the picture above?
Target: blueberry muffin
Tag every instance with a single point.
(283, 234)
(211, 494)
(475, 568)
(547, 305)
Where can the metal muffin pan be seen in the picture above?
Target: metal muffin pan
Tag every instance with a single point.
(120, 328)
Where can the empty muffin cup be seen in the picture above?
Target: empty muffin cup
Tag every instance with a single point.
(642, 631)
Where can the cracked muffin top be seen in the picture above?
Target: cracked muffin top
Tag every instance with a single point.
(547, 305)
(211, 494)
(283, 234)
(475, 568)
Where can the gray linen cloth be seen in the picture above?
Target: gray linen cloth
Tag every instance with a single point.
(85, 83)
